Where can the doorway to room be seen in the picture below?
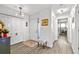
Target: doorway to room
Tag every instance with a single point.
(63, 28)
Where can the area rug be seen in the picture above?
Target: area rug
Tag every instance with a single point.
(30, 43)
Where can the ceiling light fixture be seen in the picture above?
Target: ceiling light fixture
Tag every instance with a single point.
(62, 10)
(20, 12)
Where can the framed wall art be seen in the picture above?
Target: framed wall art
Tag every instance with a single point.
(44, 22)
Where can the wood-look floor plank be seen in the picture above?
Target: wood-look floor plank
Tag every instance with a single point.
(61, 46)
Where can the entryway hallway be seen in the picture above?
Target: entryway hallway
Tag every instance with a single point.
(41, 28)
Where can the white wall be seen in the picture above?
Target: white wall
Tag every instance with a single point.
(33, 28)
(45, 31)
(53, 26)
(73, 30)
(19, 26)
(15, 25)
(77, 24)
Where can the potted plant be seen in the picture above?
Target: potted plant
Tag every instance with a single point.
(1, 28)
(5, 32)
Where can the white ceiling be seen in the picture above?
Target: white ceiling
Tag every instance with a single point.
(28, 8)
(35, 8)
(57, 7)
